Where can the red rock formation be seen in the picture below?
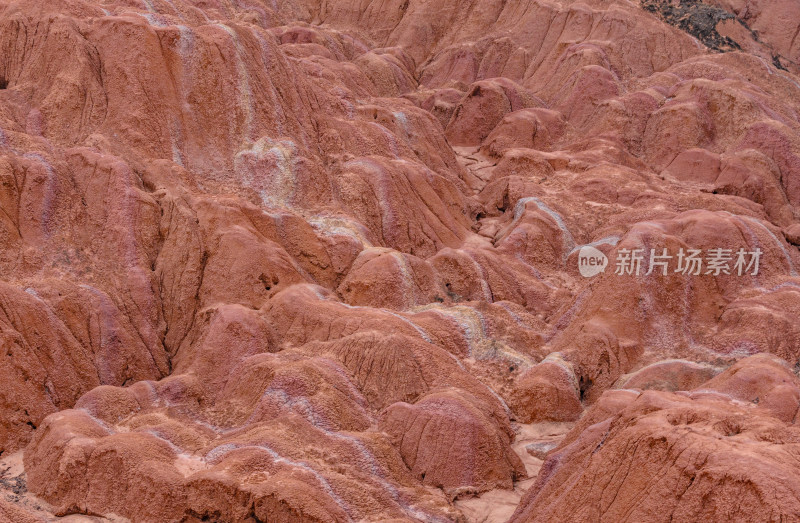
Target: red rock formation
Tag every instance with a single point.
(657, 456)
(547, 392)
(454, 442)
(319, 260)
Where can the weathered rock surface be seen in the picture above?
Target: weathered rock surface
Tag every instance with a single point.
(660, 456)
(320, 260)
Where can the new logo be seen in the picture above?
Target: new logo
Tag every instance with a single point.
(591, 261)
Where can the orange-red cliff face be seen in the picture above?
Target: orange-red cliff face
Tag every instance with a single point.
(319, 261)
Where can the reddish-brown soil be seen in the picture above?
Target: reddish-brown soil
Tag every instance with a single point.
(312, 260)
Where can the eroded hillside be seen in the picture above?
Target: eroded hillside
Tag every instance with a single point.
(321, 260)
